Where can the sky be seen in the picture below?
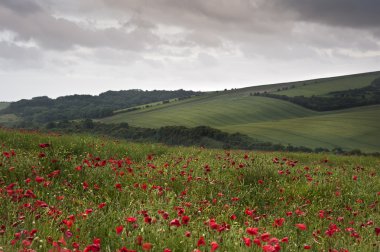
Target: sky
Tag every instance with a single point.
(56, 48)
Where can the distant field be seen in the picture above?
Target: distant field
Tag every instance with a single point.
(214, 111)
(8, 119)
(3, 105)
(324, 86)
(270, 119)
(353, 129)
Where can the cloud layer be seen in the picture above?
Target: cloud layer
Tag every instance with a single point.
(93, 45)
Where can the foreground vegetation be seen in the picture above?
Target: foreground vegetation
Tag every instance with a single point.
(78, 193)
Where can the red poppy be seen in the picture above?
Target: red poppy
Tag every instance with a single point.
(247, 241)
(268, 248)
(252, 231)
(44, 145)
(201, 242)
(278, 222)
(119, 229)
(214, 246)
(301, 226)
(185, 220)
(307, 247)
(101, 205)
(131, 219)
(265, 237)
(175, 223)
(147, 246)
(377, 231)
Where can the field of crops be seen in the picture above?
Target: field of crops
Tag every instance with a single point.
(214, 111)
(3, 105)
(325, 86)
(78, 193)
(356, 128)
(267, 119)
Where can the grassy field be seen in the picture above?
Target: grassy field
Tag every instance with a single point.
(8, 119)
(3, 105)
(324, 86)
(352, 129)
(273, 120)
(71, 193)
(215, 111)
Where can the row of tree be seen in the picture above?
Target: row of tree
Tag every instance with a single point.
(44, 109)
(177, 135)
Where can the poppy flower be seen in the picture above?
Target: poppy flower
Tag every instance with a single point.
(131, 219)
(119, 229)
(201, 242)
(252, 231)
(147, 246)
(185, 220)
(268, 248)
(265, 237)
(285, 240)
(175, 223)
(44, 145)
(301, 226)
(101, 205)
(278, 222)
(247, 241)
(214, 246)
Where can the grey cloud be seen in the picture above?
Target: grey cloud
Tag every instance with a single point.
(22, 6)
(345, 13)
(61, 34)
(17, 57)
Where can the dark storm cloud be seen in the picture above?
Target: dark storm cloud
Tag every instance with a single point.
(206, 23)
(345, 13)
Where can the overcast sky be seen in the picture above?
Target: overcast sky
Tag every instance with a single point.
(55, 47)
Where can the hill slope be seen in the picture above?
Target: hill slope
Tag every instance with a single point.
(3, 105)
(214, 111)
(327, 85)
(271, 119)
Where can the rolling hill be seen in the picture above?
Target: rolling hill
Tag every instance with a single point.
(271, 119)
(3, 105)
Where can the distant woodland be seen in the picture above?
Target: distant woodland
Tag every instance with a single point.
(44, 109)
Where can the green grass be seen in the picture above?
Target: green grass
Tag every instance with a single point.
(350, 129)
(3, 105)
(8, 119)
(325, 86)
(270, 119)
(214, 111)
(77, 173)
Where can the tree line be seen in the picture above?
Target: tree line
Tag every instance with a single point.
(44, 109)
(178, 136)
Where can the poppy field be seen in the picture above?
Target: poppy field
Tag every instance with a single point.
(85, 193)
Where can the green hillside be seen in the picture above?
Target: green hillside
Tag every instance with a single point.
(214, 111)
(353, 129)
(271, 119)
(3, 105)
(327, 85)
